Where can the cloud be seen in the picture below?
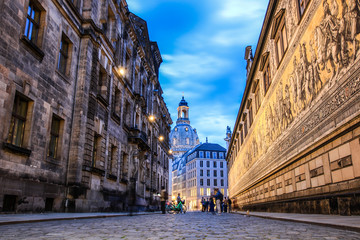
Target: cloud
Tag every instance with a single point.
(241, 9)
(193, 65)
(203, 59)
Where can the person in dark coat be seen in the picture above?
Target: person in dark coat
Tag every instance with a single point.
(225, 205)
(212, 206)
(163, 198)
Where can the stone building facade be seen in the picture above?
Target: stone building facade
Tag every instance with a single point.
(84, 126)
(295, 145)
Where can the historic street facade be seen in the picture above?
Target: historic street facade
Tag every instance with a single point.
(83, 123)
(198, 169)
(295, 145)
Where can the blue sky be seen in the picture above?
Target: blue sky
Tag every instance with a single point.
(202, 43)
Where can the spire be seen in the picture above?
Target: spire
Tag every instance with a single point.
(206, 139)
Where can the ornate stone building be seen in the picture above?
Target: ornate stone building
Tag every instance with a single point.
(83, 120)
(295, 145)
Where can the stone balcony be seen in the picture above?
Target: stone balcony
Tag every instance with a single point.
(138, 137)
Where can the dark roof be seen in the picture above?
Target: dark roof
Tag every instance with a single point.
(209, 147)
(183, 102)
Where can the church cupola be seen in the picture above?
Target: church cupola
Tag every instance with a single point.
(183, 112)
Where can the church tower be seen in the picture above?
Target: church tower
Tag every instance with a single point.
(183, 112)
(183, 137)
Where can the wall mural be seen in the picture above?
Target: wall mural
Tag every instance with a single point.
(328, 48)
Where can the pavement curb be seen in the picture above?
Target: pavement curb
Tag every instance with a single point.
(342, 227)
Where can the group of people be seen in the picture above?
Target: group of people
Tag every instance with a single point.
(216, 202)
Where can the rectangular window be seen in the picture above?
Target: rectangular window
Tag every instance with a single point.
(112, 160)
(241, 136)
(267, 76)
(201, 154)
(222, 182)
(250, 115)
(221, 155)
(64, 55)
(215, 182)
(208, 192)
(281, 42)
(201, 191)
(201, 163)
(208, 182)
(207, 163)
(245, 125)
(116, 103)
(201, 173)
(214, 155)
(201, 182)
(18, 120)
(221, 164)
(54, 137)
(215, 164)
(208, 173)
(95, 150)
(32, 25)
(221, 173)
(215, 173)
(207, 154)
(257, 98)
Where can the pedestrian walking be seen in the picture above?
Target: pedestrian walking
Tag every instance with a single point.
(207, 205)
(229, 205)
(163, 199)
(203, 204)
(219, 198)
(211, 206)
(225, 205)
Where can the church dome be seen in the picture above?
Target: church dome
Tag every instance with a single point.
(183, 137)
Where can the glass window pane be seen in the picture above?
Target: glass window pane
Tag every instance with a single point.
(27, 28)
(30, 30)
(29, 10)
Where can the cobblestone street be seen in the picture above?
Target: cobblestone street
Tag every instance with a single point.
(186, 226)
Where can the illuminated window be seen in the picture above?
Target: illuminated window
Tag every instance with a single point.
(201, 191)
(208, 192)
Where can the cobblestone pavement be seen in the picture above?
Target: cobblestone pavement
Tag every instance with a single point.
(178, 226)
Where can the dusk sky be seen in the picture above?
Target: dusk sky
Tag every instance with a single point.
(202, 43)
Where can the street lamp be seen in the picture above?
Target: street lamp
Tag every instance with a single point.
(151, 118)
(161, 138)
(121, 71)
(170, 151)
